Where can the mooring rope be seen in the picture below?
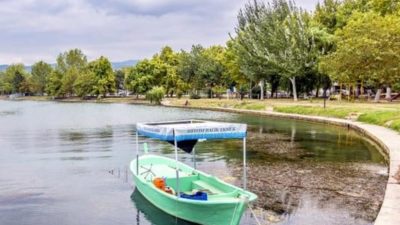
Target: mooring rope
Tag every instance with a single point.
(252, 212)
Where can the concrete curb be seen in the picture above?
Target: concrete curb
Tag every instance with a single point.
(388, 140)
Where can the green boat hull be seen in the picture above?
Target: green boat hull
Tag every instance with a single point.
(224, 207)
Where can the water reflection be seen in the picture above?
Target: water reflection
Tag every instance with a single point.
(152, 214)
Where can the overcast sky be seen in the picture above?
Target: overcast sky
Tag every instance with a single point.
(32, 30)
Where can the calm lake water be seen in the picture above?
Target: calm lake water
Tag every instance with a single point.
(66, 163)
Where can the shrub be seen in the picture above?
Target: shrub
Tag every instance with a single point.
(179, 94)
(219, 90)
(194, 96)
(155, 95)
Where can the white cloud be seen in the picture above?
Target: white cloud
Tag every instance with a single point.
(32, 30)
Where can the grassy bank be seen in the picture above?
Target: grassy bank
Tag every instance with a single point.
(383, 114)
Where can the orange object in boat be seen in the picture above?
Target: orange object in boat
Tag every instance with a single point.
(159, 183)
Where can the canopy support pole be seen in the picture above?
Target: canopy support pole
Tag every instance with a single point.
(244, 164)
(137, 153)
(176, 165)
(194, 157)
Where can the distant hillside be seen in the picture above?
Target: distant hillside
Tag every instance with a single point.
(115, 65)
(122, 64)
(3, 67)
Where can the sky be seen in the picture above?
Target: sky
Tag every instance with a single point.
(33, 30)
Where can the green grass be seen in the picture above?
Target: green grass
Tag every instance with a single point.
(382, 114)
(395, 125)
(316, 111)
(389, 119)
(250, 106)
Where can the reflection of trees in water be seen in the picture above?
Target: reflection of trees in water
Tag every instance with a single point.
(90, 140)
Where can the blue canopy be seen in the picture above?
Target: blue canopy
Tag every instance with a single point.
(188, 132)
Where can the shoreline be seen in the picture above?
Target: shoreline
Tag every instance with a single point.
(388, 140)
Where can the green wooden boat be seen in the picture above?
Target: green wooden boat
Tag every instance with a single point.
(224, 204)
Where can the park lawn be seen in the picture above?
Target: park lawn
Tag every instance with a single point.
(336, 112)
(383, 114)
(389, 119)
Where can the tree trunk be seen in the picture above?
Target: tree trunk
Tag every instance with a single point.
(378, 95)
(293, 81)
(250, 92)
(262, 89)
(388, 93)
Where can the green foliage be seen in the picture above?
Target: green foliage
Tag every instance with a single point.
(68, 80)
(218, 90)
(15, 79)
(139, 78)
(86, 84)
(54, 84)
(69, 66)
(155, 95)
(274, 39)
(103, 76)
(368, 50)
(119, 79)
(73, 58)
(231, 63)
(40, 73)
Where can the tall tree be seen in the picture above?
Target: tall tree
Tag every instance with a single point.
(233, 70)
(139, 78)
(274, 39)
(368, 50)
(105, 79)
(54, 84)
(70, 65)
(15, 78)
(188, 67)
(40, 73)
(85, 84)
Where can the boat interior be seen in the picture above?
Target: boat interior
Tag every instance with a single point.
(190, 180)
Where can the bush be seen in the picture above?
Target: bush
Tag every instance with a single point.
(219, 91)
(179, 94)
(155, 95)
(194, 96)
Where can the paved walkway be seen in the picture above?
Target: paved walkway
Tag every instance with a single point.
(387, 139)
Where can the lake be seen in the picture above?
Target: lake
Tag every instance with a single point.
(66, 163)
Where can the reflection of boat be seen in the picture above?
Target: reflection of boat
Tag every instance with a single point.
(153, 214)
(195, 196)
